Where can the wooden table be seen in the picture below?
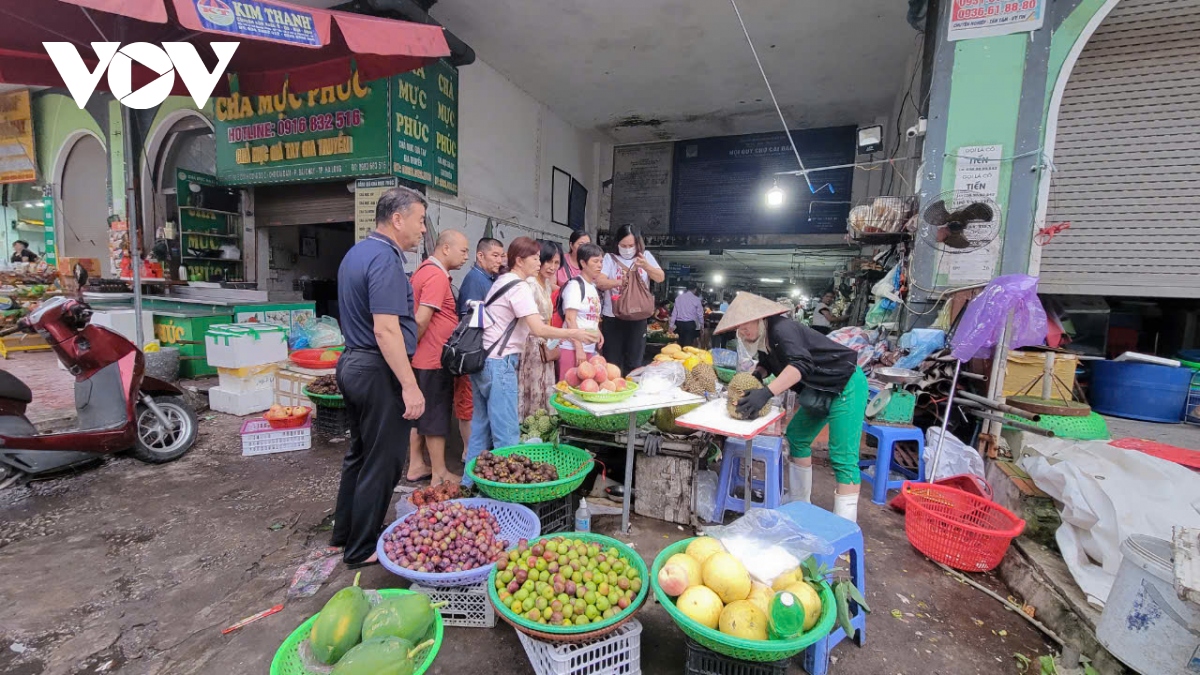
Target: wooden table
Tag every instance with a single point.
(714, 418)
(631, 406)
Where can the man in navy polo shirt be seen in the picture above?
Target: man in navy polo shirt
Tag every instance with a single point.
(374, 374)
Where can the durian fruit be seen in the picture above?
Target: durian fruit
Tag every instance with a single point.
(741, 383)
(702, 379)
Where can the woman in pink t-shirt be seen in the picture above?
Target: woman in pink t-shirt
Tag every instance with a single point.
(570, 263)
(511, 319)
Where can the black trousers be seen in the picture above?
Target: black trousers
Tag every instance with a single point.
(687, 333)
(624, 342)
(375, 458)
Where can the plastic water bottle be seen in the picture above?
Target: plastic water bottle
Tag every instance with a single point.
(583, 517)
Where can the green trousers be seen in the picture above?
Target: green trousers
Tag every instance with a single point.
(845, 422)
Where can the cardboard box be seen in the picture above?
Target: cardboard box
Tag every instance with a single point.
(1024, 372)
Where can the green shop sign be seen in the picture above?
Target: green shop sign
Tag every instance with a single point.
(407, 126)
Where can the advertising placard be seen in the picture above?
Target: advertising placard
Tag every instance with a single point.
(988, 18)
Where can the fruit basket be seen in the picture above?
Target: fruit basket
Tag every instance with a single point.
(575, 634)
(292, 421)
(311, 358)
(516, 522)
(606, 396)
(325, 400)
(957, 528)
(573, 466)
(583, 419)
(738, 648)
(724, 374)
(288, 660)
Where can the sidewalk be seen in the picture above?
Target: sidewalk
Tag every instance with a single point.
(53, 388)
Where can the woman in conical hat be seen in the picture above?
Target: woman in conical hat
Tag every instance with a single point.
(830, 389)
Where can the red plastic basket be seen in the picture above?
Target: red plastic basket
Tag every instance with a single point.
(311, 358)
(956, 528)
(291, 422)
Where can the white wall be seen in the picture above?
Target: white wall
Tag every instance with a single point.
(509, 144)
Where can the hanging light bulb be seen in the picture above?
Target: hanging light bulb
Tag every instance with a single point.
(775, 195)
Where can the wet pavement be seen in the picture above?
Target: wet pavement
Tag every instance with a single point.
(130, 568)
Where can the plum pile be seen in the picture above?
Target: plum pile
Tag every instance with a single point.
(445, 537)
(325, 385)
(515, 468)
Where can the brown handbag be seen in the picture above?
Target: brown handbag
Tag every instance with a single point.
(635, 302)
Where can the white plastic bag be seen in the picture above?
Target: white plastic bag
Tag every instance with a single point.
(957, 457)
(659, 377)
(706, 494)
(768, 543)
(326, 333)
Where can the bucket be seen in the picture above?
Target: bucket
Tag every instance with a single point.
(1144, 623)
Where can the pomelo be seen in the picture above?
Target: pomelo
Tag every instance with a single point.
(703, 547)
(743, 619)
(808, 596)
(727, 576)
(702, 605)
(761, 596)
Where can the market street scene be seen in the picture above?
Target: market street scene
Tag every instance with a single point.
(717, 337)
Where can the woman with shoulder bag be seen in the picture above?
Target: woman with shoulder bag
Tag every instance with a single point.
(512, 316)
(830, 389)
(625, 281)
(536, 375)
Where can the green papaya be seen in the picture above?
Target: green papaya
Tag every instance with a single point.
(406, 616)
(338, 627)
(380, 656)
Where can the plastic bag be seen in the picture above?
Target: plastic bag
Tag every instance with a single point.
(887, 287)
(880, 313)
(768, 543)
(982, 322)
(326, 333)
(659, 377)
(299, 337)
(957, 459)
(706, 494)
(920, 343)
(746, 361)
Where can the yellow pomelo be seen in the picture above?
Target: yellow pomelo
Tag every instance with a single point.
(810, 599)
(702, 547)
(788, 578)
(743, 619)
(700, 604)
(728, 577)
(761, 596)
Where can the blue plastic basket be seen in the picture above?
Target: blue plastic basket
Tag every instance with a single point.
(516, 522)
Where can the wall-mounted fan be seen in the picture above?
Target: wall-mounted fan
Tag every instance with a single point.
(959, 222)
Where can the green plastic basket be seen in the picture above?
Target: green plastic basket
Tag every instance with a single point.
(573, 466)
(624, 550)
(724, 374)
(583, 419)
(607, 396)
(738, 648)
(1091, 427)
(325, 400)
(288, 661)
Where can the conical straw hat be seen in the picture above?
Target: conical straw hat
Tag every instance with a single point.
(747, 307)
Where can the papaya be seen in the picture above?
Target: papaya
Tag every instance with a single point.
(380, 656)
(338, 627)
(406, 616)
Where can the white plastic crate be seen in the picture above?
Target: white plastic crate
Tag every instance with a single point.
(618, 653)
(247, 378)
(289, 387)
(466, 606)
(240, 403)
(236, 345)
(258, 438)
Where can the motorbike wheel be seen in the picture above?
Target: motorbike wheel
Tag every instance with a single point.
(156, 445)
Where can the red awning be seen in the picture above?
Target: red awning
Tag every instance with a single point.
(305, 47)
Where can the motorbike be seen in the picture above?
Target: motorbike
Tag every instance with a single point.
(119, 407)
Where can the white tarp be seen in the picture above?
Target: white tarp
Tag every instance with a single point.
(1105, 495)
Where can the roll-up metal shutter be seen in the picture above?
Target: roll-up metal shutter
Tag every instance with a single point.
(303, 204)
(1128, 158)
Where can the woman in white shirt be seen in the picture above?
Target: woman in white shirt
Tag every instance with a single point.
(625, 341)
(581, 306)
(511, 319)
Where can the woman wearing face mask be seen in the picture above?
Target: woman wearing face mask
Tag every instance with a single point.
(625, 341)
(830, 389)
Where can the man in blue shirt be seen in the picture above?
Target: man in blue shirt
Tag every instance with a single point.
(489, 258)
(374, 374)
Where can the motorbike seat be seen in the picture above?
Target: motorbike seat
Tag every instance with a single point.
(11, 387)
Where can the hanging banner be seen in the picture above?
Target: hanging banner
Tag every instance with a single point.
(367, 192)
(641, 193)
(425, 126)
(17, 163)
(976, 172)
(259, 20)
(988, 18)
(320, 134)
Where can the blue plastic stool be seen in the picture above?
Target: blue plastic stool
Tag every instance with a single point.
(881, 467)
(767, 449)
(845, 537)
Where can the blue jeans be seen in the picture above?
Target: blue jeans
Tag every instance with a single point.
(495, 423)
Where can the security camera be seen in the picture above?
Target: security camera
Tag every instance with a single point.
(917, 129)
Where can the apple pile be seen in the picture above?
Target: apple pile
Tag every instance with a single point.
(595, 375)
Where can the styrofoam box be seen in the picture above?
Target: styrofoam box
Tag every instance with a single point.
(237, 345)
(240, 403)
(248, 378)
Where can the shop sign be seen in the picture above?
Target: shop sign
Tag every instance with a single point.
(988, 18)
(51, 254)
(16, 139)
(425, 126)
(367, 192)
(319, 134)
(258, 20)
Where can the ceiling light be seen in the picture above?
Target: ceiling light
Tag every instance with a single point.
(795, 292)
(775, 195)
(870, 139)
(770, 280)
(29, 205)
(718, 278)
